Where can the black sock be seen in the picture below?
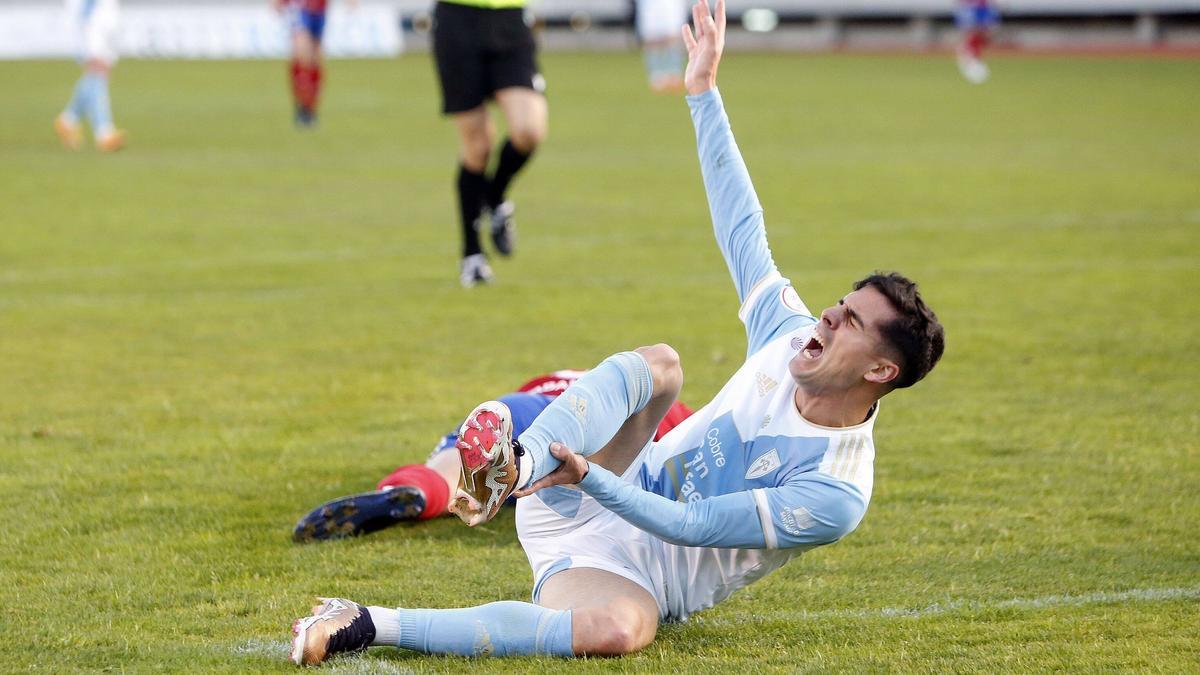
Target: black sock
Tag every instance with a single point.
(511, 161)
(471, 189)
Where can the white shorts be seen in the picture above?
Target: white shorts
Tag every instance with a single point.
(96, 29)
(660, 19)
(563, 528)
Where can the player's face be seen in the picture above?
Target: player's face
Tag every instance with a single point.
(846, 347)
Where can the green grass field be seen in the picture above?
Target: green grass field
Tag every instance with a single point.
(210, 333)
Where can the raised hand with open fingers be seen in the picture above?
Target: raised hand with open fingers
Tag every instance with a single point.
(704, 47)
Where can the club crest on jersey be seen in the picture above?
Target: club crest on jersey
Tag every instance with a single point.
(764, 465)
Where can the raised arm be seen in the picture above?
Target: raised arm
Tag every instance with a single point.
(736, 213)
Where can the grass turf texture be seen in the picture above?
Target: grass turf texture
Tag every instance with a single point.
(230, 322)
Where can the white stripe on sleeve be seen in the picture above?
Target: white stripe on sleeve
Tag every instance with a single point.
(752, 296)
(764, 517)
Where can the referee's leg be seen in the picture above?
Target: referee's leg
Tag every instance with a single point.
(475, 137)
(526, 116)
(476, 134)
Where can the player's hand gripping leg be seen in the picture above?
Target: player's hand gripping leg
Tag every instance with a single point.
(574, 468)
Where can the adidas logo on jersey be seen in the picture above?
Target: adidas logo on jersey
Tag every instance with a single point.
(765, 384)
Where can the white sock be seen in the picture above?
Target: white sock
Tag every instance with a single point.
(387, 626)
(524, 470)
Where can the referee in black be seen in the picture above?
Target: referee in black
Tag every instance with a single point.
(485, 50)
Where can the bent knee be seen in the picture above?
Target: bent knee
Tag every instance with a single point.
(527, 138)
(618, 641)
(475, 154)
(617, 629)
(475, 139)
(664, 368)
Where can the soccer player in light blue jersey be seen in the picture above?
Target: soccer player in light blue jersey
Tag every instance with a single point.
(623, 533)
(658, 23)
(95, 24)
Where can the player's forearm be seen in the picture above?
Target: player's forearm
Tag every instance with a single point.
(729, 521)
(736, 213)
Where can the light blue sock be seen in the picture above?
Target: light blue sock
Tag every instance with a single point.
(495, 629)
(664, 60)
(99, 110)
(79, 99)
(650, 55)
(673, 59)
(588, 414)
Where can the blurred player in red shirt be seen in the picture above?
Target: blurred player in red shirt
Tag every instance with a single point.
(422, 491)
(976, 19)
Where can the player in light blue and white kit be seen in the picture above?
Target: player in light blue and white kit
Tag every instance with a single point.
(658, 23)
(95, 25)
(779, 462)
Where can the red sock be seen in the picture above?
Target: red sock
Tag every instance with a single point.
(306, 84)
(976, 41)
(299, 82)
(314, 88)
(425, 479)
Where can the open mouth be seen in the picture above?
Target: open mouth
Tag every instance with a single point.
(814, 347)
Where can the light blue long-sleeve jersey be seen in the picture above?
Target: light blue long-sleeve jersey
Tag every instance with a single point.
(737, 215)
(730, 483)
(732, 520)
(740, 231)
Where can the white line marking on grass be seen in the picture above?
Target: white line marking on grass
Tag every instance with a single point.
(272, 648)
(364, 665)
(352, 664)
(1098, 598)
(965, 606)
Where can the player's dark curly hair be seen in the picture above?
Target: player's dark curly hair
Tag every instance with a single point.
(916, 334)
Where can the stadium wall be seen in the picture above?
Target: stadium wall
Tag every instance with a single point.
(382, 28)
(199, 30)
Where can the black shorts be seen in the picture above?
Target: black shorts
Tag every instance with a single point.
(480, 51)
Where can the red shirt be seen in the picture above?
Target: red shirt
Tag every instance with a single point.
(311, 6)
